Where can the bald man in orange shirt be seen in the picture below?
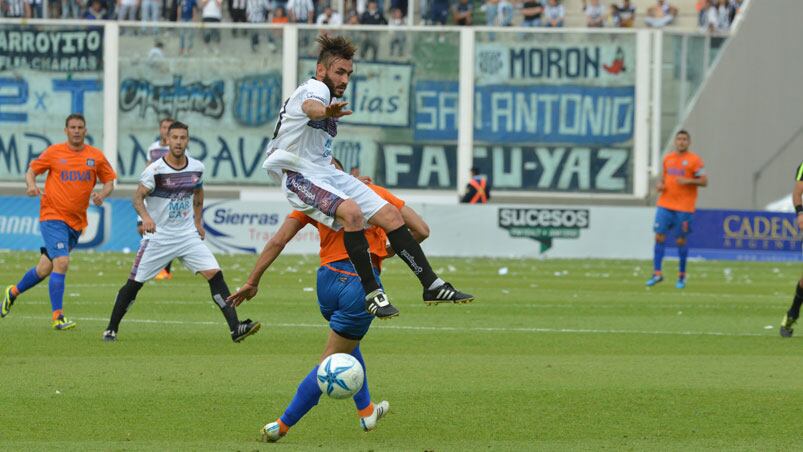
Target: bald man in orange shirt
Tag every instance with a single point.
(73, 168)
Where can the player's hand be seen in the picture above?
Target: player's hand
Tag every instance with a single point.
(660, 186)
(685, 180)
(246, 292)
(148, 225)
(389, 250)
(335, 110)
(96, 198)
(365, 180)
(201, 230)
(33, 190)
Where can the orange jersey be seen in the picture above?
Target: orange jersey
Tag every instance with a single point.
(332, 248)
(676, 196)
(70, 180)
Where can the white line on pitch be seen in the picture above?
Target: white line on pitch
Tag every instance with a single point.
(448, 328)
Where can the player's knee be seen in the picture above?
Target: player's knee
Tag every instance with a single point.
(349, 215)
(44, 267)
(61, 264)
(680, 242)
(388, 218)
(660, 238)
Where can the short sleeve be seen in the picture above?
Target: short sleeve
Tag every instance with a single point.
(147, 178)
(42, 163)
(105, 171)
(300, 217)
(316, 90)
(387, 196)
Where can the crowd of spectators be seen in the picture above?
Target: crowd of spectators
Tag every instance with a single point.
(714, 15)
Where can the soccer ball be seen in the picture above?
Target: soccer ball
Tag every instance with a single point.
(340, 376)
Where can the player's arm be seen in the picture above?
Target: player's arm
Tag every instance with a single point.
(198, 210)
(30, 180)
(272, 250)
(105, 191)
(139, 205)
(700, 181)
(417, 226)
(315, 110)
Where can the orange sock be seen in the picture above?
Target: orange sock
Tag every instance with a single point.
(57, 313)
(283, 428)
(14, 292)
(367, 411)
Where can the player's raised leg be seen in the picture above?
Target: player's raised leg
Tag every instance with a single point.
(794, 311)
(31, 278)
(350, 216)
(409, 250)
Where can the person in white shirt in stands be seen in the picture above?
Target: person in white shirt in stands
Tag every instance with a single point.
(661, 14)
(595, 14)
(554, 14)
(329, 17)
(212, 12)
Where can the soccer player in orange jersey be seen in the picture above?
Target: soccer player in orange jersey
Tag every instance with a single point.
(683, 172)
(73, 168)
(341, 301)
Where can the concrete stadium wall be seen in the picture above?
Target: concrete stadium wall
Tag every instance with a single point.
(750, 106)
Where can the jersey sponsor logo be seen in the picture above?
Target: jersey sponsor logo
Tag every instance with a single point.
(76, 176)
(544, 225)
(675, 171)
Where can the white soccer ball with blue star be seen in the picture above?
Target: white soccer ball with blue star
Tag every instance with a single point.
(340, 376)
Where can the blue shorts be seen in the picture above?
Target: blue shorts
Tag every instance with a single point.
(59, 238)
(673, 221)
(342, 299)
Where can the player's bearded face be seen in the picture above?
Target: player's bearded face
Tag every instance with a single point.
(337, 75)
(177, 140)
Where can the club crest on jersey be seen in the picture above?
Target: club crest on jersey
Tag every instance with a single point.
(90, 162)
(684, 163)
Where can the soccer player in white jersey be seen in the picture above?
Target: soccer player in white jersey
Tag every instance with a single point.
(157, 150)
(300, 154)
(172, 218)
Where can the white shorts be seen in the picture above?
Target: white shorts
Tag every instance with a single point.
(154, 255)
(318, 194)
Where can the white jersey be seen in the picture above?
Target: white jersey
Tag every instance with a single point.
(169, 202)
(299, 141)
(156, 151)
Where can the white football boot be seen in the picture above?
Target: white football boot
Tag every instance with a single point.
(368, 423)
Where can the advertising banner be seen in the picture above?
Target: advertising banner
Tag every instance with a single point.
(745, 235)
(46, 74)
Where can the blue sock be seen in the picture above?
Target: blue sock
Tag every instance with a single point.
(306, 397)
(29, 279)
(362, 398)
(658, 257)
(56, 287)
(683, 253)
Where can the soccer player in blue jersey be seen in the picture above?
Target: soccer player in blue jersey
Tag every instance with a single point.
(341, 301)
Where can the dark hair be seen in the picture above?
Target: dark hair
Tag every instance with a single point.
(77, 116)
(334, 47)
(179, 125)
(338, 162)
(683, 132)
(165, 119)
(475, 170)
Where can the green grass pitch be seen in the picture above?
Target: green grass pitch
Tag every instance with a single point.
(554, 355)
